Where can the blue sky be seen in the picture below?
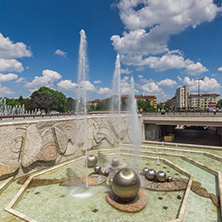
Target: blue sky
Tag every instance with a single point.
(163, 44)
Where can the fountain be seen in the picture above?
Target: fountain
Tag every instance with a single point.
(135, 123)
(81, 90)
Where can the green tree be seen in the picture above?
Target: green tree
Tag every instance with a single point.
(70, 104)
(12, 102)
(47, 99)
(145, 105)
(219, 104)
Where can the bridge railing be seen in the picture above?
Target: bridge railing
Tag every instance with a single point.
(182, 113)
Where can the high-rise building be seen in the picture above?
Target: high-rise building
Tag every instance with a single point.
(182, 97)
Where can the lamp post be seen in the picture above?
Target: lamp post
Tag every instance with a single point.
(198, 80)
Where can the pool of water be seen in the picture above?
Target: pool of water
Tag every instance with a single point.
(53, 202)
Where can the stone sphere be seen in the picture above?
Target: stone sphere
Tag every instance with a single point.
(145, 169)
(126, 184)
(161, 176)
(92, 160)
(150, 174)
(169, 179)
(106, 173)
(97, 169)
(115, 162)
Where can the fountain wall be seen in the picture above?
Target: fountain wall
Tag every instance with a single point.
(31, 145)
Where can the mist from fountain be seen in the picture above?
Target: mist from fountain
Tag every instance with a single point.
(81, 90)
(115, 104)
(135, 123)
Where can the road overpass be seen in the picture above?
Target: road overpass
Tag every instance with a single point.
(157, 125)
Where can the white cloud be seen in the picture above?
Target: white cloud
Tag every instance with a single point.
(97, 82)
(149, 25)
(140, 76)
(126, 71)
(207, 85)
(5, 91)
(20, 80)
(7, 77)
(162, 19)
(88, 86)
(60, 52)
(67, 85)
(103, 90)
(152, 88)
(167, 82)
(10, 65)
(220, 69)
(10, 50)
(171, 60)
(47, 79)
(125, 86)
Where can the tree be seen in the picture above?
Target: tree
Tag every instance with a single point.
(219, 104)
(70, 104)
(47, 99)
(145, 105)
(12, 102)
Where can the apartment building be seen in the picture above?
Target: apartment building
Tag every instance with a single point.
(203, 101)
(182, 97)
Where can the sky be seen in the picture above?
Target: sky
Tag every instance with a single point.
(164, 45)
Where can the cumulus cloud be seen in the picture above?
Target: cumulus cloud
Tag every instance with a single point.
(220, 69)
(126, 71)
(97, 82)
(103, 90)
(67, 85)
(10, 65)
(9, 50)
(167, 82)
(5, 91)
(60, 52)
(170, 60)
(152, 88)
(47, 79)
(125, 86)
(20, 80)
(207, 85)
(161, 19)
(149, 25)
(7, 77)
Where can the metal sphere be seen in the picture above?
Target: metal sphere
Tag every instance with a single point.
(92, 160)
(97, 169)
(115, 162)
(169, 179)
(126, 184)
(140, 172)
(161, 176)
(145, 169)
(106, 173)
(150, 174)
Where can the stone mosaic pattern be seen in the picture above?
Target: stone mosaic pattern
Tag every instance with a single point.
(32, 145)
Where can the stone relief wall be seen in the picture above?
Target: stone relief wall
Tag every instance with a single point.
(30, 146)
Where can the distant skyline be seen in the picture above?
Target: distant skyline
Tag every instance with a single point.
(163, 44)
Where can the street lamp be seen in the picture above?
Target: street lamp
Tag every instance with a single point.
(198, 79)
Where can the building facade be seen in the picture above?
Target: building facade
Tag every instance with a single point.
(203, 101)
(182, 95)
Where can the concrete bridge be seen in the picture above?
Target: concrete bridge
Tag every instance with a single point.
(157, 125)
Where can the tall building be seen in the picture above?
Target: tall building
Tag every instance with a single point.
(182, 97)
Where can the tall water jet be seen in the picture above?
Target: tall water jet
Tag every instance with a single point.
(81, 89)
(135, 123)
(115, 105)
